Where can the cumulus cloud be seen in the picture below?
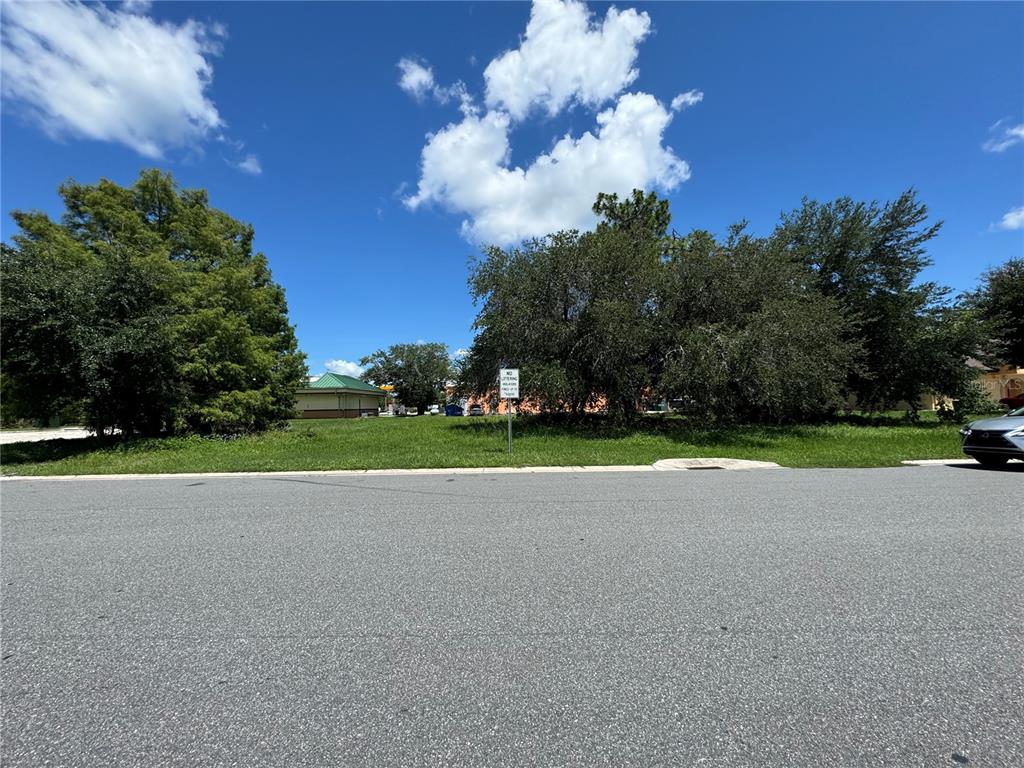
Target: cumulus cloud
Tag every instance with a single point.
(344, 367)
(1012, 219)
(416, 79)
(688, 99)
(249, 164)
(566, 56)
(464, 168)
(1003, 136)
(111, 74)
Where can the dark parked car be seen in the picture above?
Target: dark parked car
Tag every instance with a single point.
(995, 441)
(453, 410)
(1015, 401)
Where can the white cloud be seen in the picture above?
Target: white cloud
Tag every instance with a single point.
(563, 59)
(249, 164)
(688, 99)
(416, 79)
(344, 367)
(565, 56)
(464, 168)
(1012, 219)
(111, 75)
(1003, 136)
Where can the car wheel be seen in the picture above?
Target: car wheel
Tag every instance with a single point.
(992, 461)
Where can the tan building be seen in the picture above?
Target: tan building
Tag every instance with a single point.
(333, 396)
(1004, 381)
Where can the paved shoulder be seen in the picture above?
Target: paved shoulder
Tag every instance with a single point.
(811, 618)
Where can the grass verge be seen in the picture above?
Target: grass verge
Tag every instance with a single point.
(436, 441)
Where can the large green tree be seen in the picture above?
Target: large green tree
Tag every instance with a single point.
(999, 305)
(746, 335)
(151, 309)
(418, 372)
(782, 328)
(574, 311)
(869, 258)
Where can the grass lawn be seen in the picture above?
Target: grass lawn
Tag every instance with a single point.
(437, 441)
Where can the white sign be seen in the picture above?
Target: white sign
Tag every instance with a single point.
(508, 379)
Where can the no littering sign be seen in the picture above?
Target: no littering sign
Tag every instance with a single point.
(508, 383)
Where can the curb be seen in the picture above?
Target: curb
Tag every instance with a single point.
(658, 466)
(936, 462)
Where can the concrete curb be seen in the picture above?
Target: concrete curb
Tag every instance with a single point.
(937, 462)
(662, 465)
(677, 464)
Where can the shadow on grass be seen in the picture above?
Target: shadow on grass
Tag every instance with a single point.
(14, 454)
(675, 429)
(684, 431)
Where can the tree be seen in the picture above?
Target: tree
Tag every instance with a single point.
(418, 372)
(773, 329)
(575, 312)
(999, 304)
(151, 309)
(869, 258)
(748, 338)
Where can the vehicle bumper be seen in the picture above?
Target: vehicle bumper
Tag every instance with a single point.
(1009, 445)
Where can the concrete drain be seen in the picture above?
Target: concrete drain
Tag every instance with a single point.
(687, 464)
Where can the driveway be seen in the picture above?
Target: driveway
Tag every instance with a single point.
(775, 618)
(35, 435)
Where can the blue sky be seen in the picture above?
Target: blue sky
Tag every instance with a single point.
(372, 247)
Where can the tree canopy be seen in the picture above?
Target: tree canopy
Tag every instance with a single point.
(746, 336)
(149, 309)
(786, 327)
(999, 303)
(418, 372)
(869, 257)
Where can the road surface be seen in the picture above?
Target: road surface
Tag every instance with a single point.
(775, 618)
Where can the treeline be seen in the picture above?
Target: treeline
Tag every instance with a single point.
(783, 328)
(145, 310)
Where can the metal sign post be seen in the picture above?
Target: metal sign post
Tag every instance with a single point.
(508, 385)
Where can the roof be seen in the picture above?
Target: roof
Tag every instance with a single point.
(979, 366)
(337, 381)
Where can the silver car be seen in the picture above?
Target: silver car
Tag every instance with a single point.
(995, 441)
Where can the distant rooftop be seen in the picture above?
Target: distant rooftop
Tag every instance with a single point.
(338, 381)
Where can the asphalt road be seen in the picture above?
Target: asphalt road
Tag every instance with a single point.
(776, 618)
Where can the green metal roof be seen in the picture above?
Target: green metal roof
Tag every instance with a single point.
(337, 381)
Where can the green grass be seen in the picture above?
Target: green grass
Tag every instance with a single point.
(436, 441)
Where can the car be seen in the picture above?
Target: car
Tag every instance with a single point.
(453, 409)
(433, 410)
(476, 410)
(1013, 401)
(993, 442)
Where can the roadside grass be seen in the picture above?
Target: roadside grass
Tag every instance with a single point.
(437, 441)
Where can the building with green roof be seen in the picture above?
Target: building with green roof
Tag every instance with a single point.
(334, 396)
